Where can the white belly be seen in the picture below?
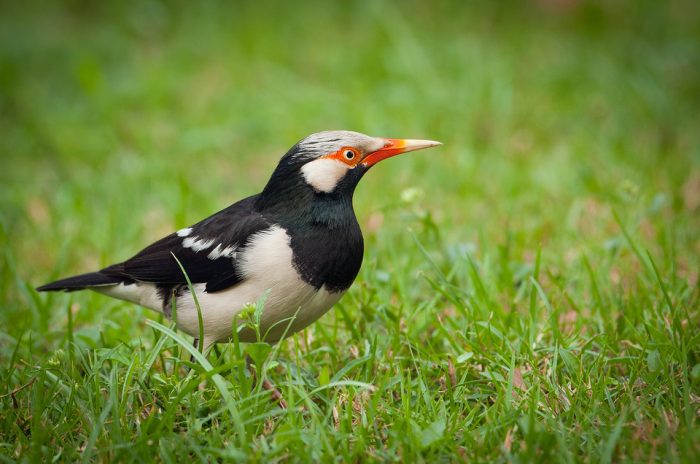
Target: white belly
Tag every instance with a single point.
(266, 265)
(286, 309)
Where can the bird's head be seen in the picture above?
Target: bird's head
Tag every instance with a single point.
(326, 166)
(316, 178)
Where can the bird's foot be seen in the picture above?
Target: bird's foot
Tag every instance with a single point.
(266, 384)
(274, 393)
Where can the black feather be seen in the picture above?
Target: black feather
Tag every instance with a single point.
(325, 238)
(83, 281)
(230, 227)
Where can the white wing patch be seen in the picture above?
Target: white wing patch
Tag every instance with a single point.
(218, 252)
(324, 174)
(267, 250)
(197, 244)
(184, 232)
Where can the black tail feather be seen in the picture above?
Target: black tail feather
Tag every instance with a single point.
(80, 282)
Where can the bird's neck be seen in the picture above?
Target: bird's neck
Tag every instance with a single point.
(291, 202)
(325, 238)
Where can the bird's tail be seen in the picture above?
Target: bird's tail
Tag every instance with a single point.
(80, 282)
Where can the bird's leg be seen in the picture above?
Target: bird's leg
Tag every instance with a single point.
(195, 343)
(266, 384)
(203, 347)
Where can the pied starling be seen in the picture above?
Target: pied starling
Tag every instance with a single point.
(298, 241)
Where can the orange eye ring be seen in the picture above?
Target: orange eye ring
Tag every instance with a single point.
(348, 155)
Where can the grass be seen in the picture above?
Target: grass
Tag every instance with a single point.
(529, 290)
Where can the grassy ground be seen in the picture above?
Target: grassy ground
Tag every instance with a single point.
(529, 290)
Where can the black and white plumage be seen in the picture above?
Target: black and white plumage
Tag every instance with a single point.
(298, 240)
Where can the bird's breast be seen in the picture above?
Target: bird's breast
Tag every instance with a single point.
(267, 266)
(328, 258)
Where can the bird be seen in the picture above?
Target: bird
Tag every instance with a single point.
(297, 244)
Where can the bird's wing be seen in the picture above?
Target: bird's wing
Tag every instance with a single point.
(208, 251)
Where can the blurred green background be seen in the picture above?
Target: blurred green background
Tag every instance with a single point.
(167, 112)
(123, 121)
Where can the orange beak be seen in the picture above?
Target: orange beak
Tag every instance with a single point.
(393, 147)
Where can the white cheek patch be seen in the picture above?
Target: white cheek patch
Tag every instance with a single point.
(324, 174)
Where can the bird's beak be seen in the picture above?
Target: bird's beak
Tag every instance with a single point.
(393, 147)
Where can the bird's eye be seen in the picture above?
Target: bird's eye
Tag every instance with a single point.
(349, 154)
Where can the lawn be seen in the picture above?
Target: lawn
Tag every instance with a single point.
(529, 291)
